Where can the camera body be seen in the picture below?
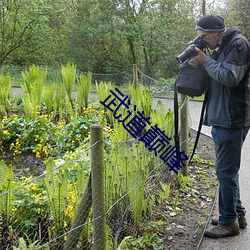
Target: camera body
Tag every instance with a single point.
(190, 51)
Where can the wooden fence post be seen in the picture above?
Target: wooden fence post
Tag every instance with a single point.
(80, 218)
(135, 74)
(98, 195)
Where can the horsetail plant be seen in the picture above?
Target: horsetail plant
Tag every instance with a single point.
(56, 184)
(83, 90)
(33, 85)
(68, 74)
(142, 97)
(6, 184)
(164, 118)
(103, 91)
(5, 89)
(126, 172)
(48, 98)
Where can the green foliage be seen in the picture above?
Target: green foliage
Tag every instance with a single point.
(164, 118)
(5, 90)
(43, 137)
(176, 199)
(125, 172)
(30, 206)
(103, 91)
(34, 81)
(48, 98)
(103, 36)
(68, 74)
(147, 241)
(83, 91)
(57, 188)
(139, 92)
(55, 196)
(23, 25)
(29, 245)
(164, 192)
(6, 184)
(184, 181)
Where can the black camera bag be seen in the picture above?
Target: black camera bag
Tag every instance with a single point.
(192, 79)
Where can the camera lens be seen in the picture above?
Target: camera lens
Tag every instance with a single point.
(187, 53)
(190, 51)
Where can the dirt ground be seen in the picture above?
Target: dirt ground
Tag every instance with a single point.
(186, 224)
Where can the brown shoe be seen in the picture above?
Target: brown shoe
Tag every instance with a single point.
(241, 219)
(221, 231)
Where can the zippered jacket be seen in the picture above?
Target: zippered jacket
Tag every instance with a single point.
(228, 104)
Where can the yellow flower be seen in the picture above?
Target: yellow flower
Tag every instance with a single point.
(31, 187)
(38, 156)
(6, 132)
(37, 196)
(69, 211)
(16, 152)
(14, 209)
(73, 199)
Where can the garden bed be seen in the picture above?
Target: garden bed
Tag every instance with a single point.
(181, 214)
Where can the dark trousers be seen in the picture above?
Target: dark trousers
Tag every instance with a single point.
(228, 145)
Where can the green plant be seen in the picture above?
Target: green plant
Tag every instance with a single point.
(5, 90)
(183, 180)
(176, 199)
(30, 207)
(6, 184)
(83, 91)
(42, 136)
(164, 192)
(139, 92)
(164, 118)
(147, 241)
(56, 187)
(103, 89)
(29, 245)
(34, 81)
(68, 74)
(48, 98)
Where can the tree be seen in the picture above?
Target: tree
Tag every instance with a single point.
(21, 21)
(237, 13)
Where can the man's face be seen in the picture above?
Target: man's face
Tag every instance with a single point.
(211, 38)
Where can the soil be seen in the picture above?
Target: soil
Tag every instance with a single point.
(25, 164)
(187, 222)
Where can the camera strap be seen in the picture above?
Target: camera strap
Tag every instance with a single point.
(199, 127)
(176, 123)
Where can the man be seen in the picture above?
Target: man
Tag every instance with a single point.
(228, 112)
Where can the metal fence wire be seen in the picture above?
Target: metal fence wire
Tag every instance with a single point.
(94, 200)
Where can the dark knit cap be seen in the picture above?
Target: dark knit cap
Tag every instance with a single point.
(211, 23)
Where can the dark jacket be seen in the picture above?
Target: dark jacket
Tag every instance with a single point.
(228, 103)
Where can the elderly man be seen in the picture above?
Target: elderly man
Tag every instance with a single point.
(228, 112)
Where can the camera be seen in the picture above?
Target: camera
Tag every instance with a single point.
(190, 51)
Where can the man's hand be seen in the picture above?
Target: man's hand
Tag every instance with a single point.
(200, 58)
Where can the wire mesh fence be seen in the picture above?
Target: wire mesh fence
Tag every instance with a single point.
(57, 209)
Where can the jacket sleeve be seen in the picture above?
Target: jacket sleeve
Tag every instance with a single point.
(234, 66)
